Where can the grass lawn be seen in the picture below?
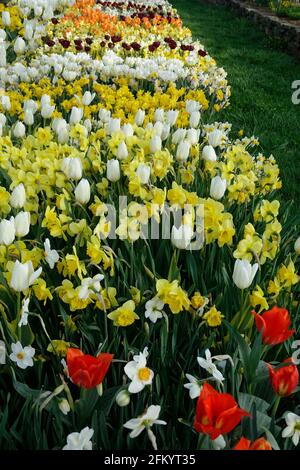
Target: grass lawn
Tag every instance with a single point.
(261, 76)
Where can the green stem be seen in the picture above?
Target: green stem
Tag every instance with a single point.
(275, 407)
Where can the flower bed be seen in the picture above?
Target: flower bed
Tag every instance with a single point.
(148, 268)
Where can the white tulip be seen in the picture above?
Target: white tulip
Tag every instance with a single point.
(181, 237)
(18, 197)
(192, 136)
(127, 130)
(23, 276)
(209, 154)
(2, 119)
(83, 191)
(192, 106)
(243, 273)
(217, 187)
(2, 34)
(165, 131)
(6, 18)
(88, 98)
(72, 168)
(183, 151)
(22, 224)
(2, 352)
(155, 144)
(159, 115)
(113, 173)
(178, 136)
(114, 125)
(28, 31)
(143, 172)
(30, 105)
(158, 128)
(2, 54)
(5, 102)
(194, 118)
(7, 232)
(88, 124)
(19, 130)
(171, 117)
(104, 115)
(28, 117)
(139, 117)
(45, 100)
(215, 138)
(47, 111)
(19, 46)
(76, 115)
(122, 152)
(297, 246)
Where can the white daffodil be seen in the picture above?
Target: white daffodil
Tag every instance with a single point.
(293, 427)
(219, 443)
(208, 364)
(137, 425)
(194, 387)
(51, 256)
(80, 440)
(22, 356)
(154, 309)
(24, 313)
(90, 285)
(138, 373)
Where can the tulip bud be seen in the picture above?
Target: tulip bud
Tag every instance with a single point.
(143, 172)
(215, 138)
(28, 31)
(3, 62)
(297, 246)
(7, 232)
(209, 154)
(244, 273)
(104, 115)
(19, 130)
(2, 119)
(5, 102)
(19, 46)
(18, 197)
(45, 100)
(28, 117)
(64, 406)
(2, 34)
(113, 170)
(83, 192)
(72, 168)
(6, 18)
(192, 106)
(139, 117)
(123, 398)
(217, 187)
(155, 144)
(194, 118)
(87, 98)
(165, 131)
(99, 389)
(183, 151)
(122, 152)
(23, 276)
(76, 115)
(22, 224)
(88, 124)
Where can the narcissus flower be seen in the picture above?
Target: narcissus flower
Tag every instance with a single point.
(217, 413)
(284, 379)
(138, 372)
(85, 370)
(274, 325)
(292, 427)
(171, 293)
(80, 440)
(258, 444)
(124, 315)
(150, 417)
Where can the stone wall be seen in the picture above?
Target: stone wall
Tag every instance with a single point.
(287, 32)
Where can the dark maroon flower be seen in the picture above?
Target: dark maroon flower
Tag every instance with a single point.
(87, 48)
(107, 37)
(54, 20)
(116, 39)
(65, 43)
(89, 41)
(50, 43)
(135, 46)
(77, 42)
(202, 53)
(102, 43)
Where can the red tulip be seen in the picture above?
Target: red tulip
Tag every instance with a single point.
(85, 370)
(217, 413)
(274, 325)
(259, 444)
(284, 379)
